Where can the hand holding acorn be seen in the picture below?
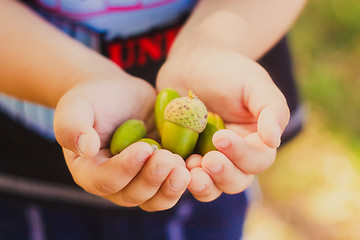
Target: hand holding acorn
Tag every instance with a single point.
(205, 144)
(179, 121)
(185, 118)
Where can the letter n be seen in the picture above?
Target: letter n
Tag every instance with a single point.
(149, 47)
(122, 53)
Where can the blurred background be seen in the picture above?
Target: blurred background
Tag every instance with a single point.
(313, 189)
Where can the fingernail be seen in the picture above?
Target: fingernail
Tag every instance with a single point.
(81, 144)
(199, 188)
(142, 156)
(177, 184)
(278, 135)
(163, 168)
(215, 168)
(223, 142)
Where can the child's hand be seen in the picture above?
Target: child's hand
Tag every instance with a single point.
(85, 119)
(232, 168)
(253, 108)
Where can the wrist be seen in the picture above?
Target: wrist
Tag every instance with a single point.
(216, 31)
(94, 68)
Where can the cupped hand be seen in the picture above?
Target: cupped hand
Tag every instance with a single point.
(85, 119)
(253, 108)
(232, 168)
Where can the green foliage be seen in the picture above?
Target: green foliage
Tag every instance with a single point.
(326, 48)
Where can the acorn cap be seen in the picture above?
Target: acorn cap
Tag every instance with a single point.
(189, 112)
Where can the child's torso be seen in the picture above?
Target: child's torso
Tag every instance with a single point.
(118, 18)
(135, 34)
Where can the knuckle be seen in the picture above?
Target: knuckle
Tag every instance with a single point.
(259, 167)
(105, 187)
(256, 168)
(129, 169)
(259, 164)
(205, 191)
(164, 153)
(152, 181)
(208, 196)
(267, 161)
(128, 200)
(239, 186)
(147, 208)
(224, 180)
(154, 178)
(285, 111)
(171, 194)
(86, 185)
(152, 206)
(60, 132)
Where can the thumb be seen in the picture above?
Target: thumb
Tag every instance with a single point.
(73, 125)
(269, 105)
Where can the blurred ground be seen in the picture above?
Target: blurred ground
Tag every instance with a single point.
(312, 192)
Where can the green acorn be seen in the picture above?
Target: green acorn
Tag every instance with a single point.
(205, 144)
(184, 119)
(162, 100)
(154, 144)
(126, 134)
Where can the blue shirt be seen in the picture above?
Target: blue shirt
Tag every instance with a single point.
(110, 27)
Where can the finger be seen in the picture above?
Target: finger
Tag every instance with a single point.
(73, 126)
(271, 123)
(267, 103)
(250, 154)
(179, 160)
(244, 130)
(105, 175)
(170, 191)
(226, 176)
(193, 161)
(145, 185)
(201, 186)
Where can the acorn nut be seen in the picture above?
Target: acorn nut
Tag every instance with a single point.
(184, 119)
(126, 134)
(162, 100)
(205, 144)
(154, 144)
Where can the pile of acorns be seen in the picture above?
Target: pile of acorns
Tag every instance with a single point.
(183, 124)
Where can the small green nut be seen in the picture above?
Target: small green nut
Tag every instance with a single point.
(214, 124)
(184, 119)
(126, 134)
(162, 100)
(154, 144)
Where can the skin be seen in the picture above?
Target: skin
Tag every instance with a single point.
(71, 80)
(223, 72)
(255, 111)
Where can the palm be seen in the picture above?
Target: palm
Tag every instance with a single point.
(220, 80)
(111, 103)
(118, 105)
(232, 85)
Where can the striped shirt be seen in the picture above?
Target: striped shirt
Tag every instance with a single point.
(101, 25)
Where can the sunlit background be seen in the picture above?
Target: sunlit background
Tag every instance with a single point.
(313, 189)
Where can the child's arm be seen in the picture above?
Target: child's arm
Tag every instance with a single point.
(92, 96)
(214, 56)
(38, 62)
(247, 27)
